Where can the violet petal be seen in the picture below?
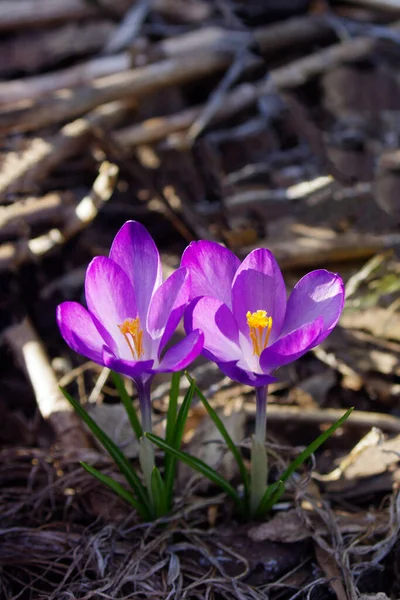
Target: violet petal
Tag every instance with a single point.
(167, 306)
(130, 368)
(111, 300)
(243, 376)
(134, 250)
(318, 294)
(212, 269)
(259, 285)
(183, 353)
(290, 347)
(215, 320)
(79, 332)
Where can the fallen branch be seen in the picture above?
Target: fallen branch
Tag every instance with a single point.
(33, 13)
(33, 88)
(249, 199)
(245, 95)
(130, 26)
(13, 255)
(189, 57)
(32, 51)
(134, 82)
(21, 171)
(379, 5)
(307, 251)
(29, 352)
(157, 128)
(358, 418)
(16, 219)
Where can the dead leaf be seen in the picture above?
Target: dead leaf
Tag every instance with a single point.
(365, 461)
(372, 439)
(283, 527)
(289, 527)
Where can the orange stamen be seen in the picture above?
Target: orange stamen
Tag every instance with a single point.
(133, 335)
(260, 326)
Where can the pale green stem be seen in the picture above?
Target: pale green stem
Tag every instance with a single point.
(143, 387)
(146, 450)
(259, 466)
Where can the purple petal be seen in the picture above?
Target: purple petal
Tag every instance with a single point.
(111, 300)
(79, 332)
(130, 368)
(168, 305)
(134, 250)
(318, 294)
(183, 353)
(292, 346)
(212, 269)
(215, 320)
(246, 377)
(259, 285)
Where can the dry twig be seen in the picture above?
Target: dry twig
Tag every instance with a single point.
(29, 13)
(358, 418)
(78, 217)
(190, 57)
(31, 355)
(22, 171)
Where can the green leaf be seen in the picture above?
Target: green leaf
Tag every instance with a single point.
(120, 459)
(176, 438)
(196, 464)
(158, 493)
(175, 441)
(267, 502)
(225, 435)
(172, 406)
(116, 487)
(271, 496)
(280, 488)
(127, 402)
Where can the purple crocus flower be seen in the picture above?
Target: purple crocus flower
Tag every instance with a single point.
(131, 314)
(249, 327)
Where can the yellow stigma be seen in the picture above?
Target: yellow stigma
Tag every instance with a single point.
(133, 335)
(260, 326)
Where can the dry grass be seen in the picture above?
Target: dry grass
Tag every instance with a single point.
(63, 536)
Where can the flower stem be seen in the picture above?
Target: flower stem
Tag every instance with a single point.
(143, 387)
(146, 451)
(259, 466)
(261, 413)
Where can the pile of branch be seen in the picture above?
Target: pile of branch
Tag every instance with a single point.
(117, 89)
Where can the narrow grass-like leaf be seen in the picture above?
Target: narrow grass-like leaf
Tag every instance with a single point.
(116, 487)
(170, 461)
(175, 442)
(120, 459)
(127, 402)
(272, 494)
(158, 493)
(224, 433)
(271, 489)
(268, 501)
(172, 406)
(176, 438)
(196, 464)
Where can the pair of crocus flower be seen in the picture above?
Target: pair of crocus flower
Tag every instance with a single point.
(235, 313)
